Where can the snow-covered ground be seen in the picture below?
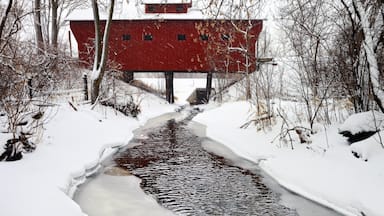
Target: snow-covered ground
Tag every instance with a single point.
(74, 142)
(324, 171)
(118, 195)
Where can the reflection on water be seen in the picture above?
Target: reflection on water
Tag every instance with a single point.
(184, 178)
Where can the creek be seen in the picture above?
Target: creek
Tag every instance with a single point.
(182, 173)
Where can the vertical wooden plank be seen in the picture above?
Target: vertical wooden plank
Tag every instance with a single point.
(85, 85)
(169, 87)
(209, 86)
(166, 86)
(128, 76)
(70, 43)
(172, 90)
(30, 90)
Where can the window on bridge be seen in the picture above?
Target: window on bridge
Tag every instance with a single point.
(126, 37)
(203, 37)
(181, 37)
(151, 8)
(148, 37)
(179, 8)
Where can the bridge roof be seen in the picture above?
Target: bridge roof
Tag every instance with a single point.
(135, 10)
(166, 1)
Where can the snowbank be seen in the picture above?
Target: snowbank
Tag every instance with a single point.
(111, 198)
(363, 122)
(73, 143)
(325, 171)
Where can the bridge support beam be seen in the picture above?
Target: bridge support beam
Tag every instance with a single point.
(169, 87)
(208, 86)
(128, 76)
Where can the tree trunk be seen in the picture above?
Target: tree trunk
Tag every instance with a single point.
(95, 90)
(208, 86)
(4, 19)
(54, 25)
(101, 57)
(97, 42)
(371, 56)
(38, 28)
(248, 94)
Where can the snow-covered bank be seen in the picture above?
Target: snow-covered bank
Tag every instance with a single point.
(118, 195)
(40, 184)
(325, 171)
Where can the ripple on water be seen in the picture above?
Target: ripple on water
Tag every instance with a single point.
(184, 178)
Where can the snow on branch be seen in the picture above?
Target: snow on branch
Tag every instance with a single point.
(369, 49)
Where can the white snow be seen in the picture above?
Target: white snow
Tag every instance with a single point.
(369, 38)
(73, 144)
(165, 1)
(370, 149)
(135, 10)
(183, 87)
(324, 171)
(118, 196)
(363, 122)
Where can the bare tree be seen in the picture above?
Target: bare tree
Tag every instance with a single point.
(263, 79)
(237, 10)
(49, 18)
(101, 48)
(23, 113)
(346, 60)
(5, 17)
(38, 27)
(14, 90)
(308, 30)
(54, 23)
(369, 16)
(26, 82)
(350, 52)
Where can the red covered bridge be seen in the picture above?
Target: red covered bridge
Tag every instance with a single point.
(174, 45)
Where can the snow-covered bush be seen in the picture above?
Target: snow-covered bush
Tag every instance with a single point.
(364, 132)
(115, 94)
(360, 126)
(23, 122)
(16, 146)
(129, 108)
(28, 75)
(369, 148)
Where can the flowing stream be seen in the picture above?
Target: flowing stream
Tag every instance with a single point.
(180, 177)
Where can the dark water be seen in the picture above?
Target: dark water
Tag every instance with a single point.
(186, 179)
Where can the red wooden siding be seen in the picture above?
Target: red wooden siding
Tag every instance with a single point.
(175, 45)
(167, 8)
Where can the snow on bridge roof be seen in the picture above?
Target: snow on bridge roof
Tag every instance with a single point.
(167, 1)
(135, 10)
